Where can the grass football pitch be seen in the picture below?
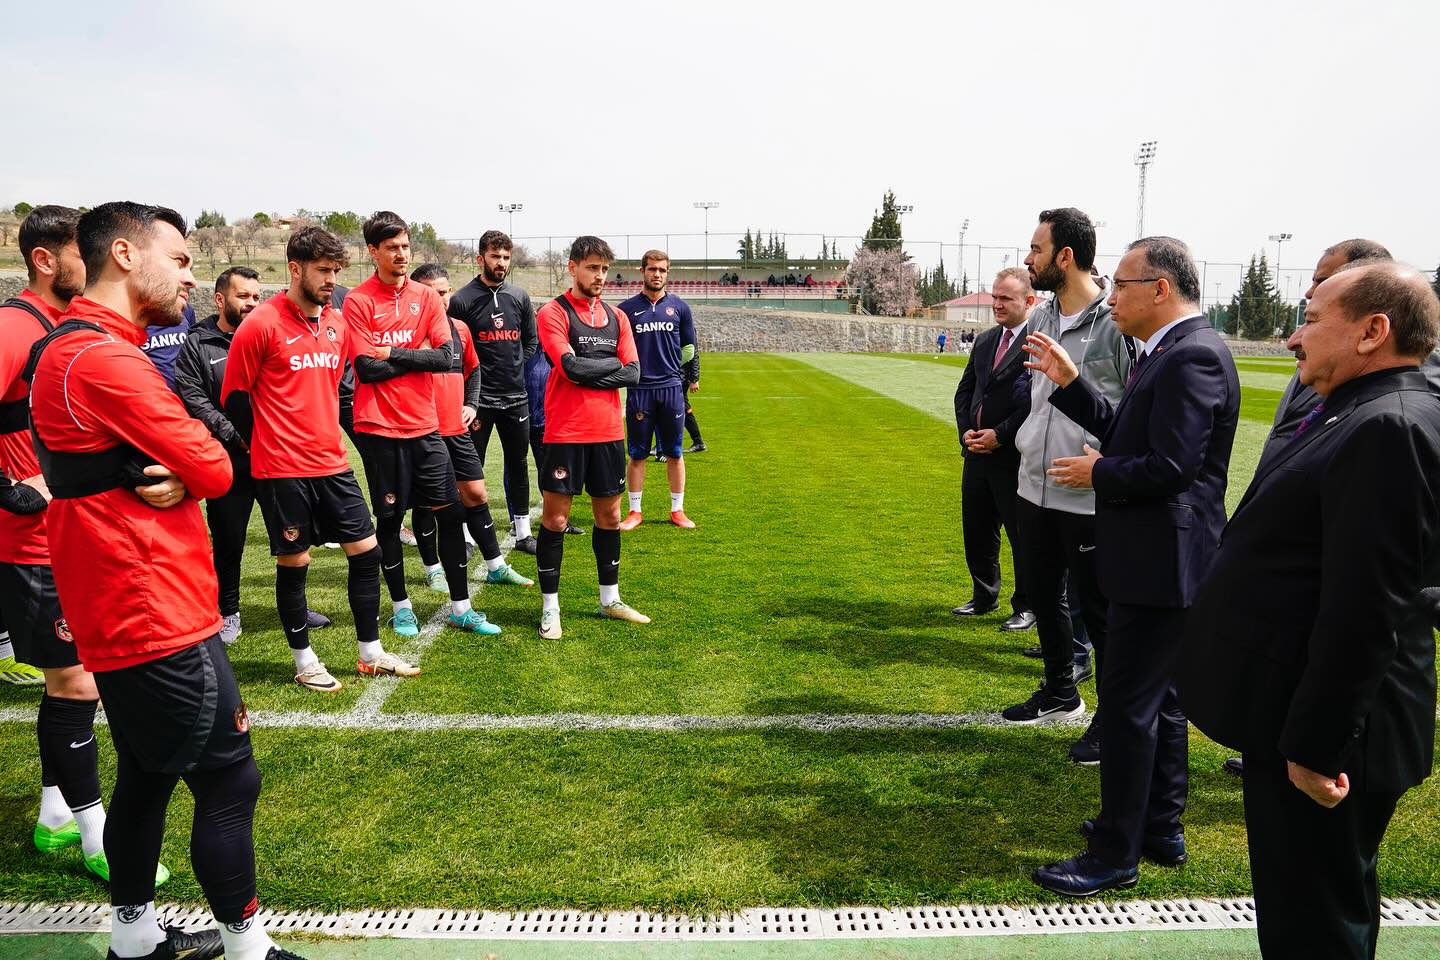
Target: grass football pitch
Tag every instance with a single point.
(523, 773)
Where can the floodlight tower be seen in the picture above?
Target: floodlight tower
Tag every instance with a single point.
(512, 209)
(1143, 156)
(707, 206)
(960, 260)
(1279, 239)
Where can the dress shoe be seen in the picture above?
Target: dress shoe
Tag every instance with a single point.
(1086, 750)
(1020, 622)
(1083, 671)
(1163, 851)
(1235, 766)
(1034, 653)
(973, 609)
(1084, 875)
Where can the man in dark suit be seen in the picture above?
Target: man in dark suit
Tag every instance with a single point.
(1310, 647)
(1159, 509)
(987, 414)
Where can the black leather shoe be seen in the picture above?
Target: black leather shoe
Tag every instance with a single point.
(1083, 671)
(574, 531)
(1086, 750)
(1084, 875)
(1235, 766)
(1020, 622)
(1162, 851)
(526, 545)
(973, 609)
(1034, 653)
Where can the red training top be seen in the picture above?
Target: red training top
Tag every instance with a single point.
(22, 539)
(136, 583)
(408, 316)
(576, 414)
(450, 386)
(291, 367)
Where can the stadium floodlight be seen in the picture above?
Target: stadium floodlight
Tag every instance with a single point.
(1143, 156)
(512, 209)
(961, 258)
(707, 206)
(905, 208)
(1278, 239)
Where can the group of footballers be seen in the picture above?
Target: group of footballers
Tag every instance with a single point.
(110, 584)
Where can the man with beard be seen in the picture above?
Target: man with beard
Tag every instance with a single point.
(199, 375)
(502, 326)
(141, 609)
(70, 809)
(281, 391)
(1056, 522)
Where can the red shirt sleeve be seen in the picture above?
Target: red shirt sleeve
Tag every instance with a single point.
(469, 359)
(358, 340)
(116, 391)
(243, 363)
(554, 334)
(625, 350)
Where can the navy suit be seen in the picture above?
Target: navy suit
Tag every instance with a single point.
(1159, 511)
(986, 399)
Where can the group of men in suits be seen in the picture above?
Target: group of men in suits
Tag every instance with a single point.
(1299, 633)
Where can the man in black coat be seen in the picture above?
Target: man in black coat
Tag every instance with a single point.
(1159, 509)
(987, 415)
(1310, 648)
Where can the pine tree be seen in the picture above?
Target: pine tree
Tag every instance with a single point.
(209, 218)
(885, 226)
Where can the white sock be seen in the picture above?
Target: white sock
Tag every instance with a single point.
(520, 526)
(459, 607)
(370, 650)
(494, 563)
(550, 601)
(91, 822)
(428, 570)
(53, 810)
(469, 539)
(677, 501)
(246, 940)
(635, 497)
(135, 930)
(6, 648)
(609, 593)
(304, 657)
(401, 605)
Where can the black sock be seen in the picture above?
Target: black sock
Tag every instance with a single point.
(290, 601)
(450, 529)
(392, 563)
(693, 427)
(69, 742)
(42, 734)
(364, 590)
(549, 551)
(422, 524)
(606, 544)
(482, 529)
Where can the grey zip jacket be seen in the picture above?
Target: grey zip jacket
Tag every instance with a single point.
(1098, 349)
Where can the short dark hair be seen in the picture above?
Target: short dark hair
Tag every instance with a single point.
(1400, 293)
(656, 255)
(381, 226)
(97, 229)
(1171, 259)
(1357, 249)
(51, 227)
(309, 244)
(498, 239)
(1072, 228)
(587, 246)
(429, 271)
(222, 282)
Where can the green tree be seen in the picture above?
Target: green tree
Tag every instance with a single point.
(935, 287)
(209, 218)
(345, 224)
(747, 247)
(1257, 308)
(263, 219)
(884, 229)
(22, 209)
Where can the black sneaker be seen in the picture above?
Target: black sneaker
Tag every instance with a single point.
(180, 945)
(277, 954)
(316, 620)
(574, 531)
(697, 447)
(526, 545)
(1043, 707)
(1083, 671)
(1086, 750)
(1034, 653)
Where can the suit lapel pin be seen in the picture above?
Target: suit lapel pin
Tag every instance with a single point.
(1331, 420)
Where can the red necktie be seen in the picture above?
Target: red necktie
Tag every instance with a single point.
(1000, 351)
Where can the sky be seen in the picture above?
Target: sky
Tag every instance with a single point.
(1315, 118)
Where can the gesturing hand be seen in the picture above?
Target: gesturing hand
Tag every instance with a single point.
(1050, 359)
(1075, 471)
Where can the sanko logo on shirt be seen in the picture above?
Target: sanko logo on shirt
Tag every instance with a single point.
(393, 338)
(655, 326)
(173, 339)
(321, 361)
(497, 335)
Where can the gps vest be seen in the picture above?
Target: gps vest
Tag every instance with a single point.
(592, 343)
(15, 415)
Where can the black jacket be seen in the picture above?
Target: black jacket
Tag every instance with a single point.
(1311, 636)
(501, 321)
(1160, 486)
(986, 398)
(199, 372)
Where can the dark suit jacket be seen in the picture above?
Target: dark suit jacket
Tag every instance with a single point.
(986, 399)
(1311, 635)
(1160, 486)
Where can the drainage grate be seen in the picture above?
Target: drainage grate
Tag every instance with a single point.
(856, 922)
(960, 921)
(1085, 916)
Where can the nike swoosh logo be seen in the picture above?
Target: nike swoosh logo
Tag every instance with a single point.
(77, 746)
(489, 525)
(614, 563)
(297, 629)
(293, 339)
(221, 360)
(1085, 549)
(522, 419)
(497, 316)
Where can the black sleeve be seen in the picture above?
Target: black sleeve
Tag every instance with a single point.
(585, 371)
(435, 359)
(692, 369)
(237, 411)
(19, 498)
(964, 392)
(370, 370)
(472, 389)
(626, 376)
(529, 332)
(191, 372)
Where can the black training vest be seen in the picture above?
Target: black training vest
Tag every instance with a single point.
(592, 343)
(15, 414)
(73, 475)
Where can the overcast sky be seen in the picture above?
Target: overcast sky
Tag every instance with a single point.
(1312, 118)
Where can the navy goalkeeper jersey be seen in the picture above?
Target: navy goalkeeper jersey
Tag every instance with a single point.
(661, 329)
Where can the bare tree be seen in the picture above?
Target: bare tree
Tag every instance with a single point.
(9, 223)
(207, 240)
(230, 242)
(249, 232)
(521, 258)
(555, 261)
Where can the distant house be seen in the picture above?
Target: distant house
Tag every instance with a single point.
(972, 309)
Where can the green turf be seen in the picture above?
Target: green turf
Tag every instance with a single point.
(819, 580)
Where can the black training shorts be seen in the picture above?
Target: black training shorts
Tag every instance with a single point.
(463, 458)
(179, 713)
(407, 472)
(32, 613)
(302, 511)
(597, 467)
